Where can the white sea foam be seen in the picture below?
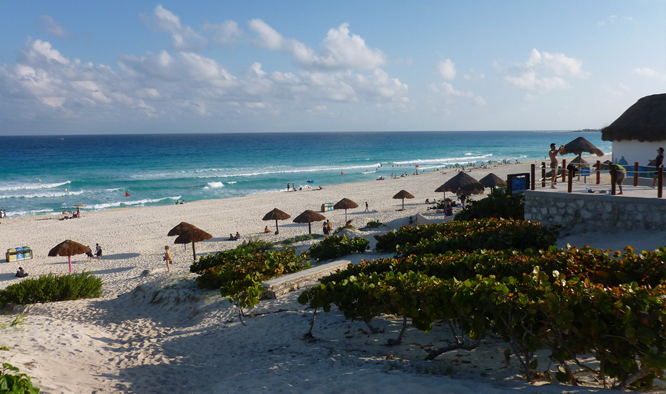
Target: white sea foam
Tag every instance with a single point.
(16, 214)
(215, 185)
(118, 204)
(32, 186)
(447, 160)
(42, 195)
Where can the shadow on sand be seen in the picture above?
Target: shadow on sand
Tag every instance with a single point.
(120, 256)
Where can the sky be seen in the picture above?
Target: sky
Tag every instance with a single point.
(86, 67)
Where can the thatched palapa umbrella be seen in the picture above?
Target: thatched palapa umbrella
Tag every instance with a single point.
(644, 121)
(345, 204)
(276, 215)
(492, 181)
(193, 235)
(68, 248)
(402, 194)
(180, 228)
(579, 146)
(308, 217)
(462, 183)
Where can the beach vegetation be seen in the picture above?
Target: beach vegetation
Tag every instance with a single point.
(11, 381)
(336, 246)
(571, 302)
(372, 224)
(345, 227)
(301, 238)
(498, 204)
(239, 273)
(49, 288)
(494, 234)
(252, 246)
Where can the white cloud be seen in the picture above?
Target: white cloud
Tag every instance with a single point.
(648, 73)
(447, 91)
(226, 32)
(342, 50)
(184, 37)
(474, 75)
(620, 90)
(49, 26)
(447, 69)
(45, 83)
(529, 76)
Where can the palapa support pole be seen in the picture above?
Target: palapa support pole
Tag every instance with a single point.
(309, 228)
(660, 182)
(570, 184)
(69, 259)
(598, 172)
(564, 170)
(613, 174)
(543, 174)
(533, 174)
(277, 230)
(194, 252)
(636, 173)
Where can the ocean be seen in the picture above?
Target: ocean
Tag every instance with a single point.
(46, 175)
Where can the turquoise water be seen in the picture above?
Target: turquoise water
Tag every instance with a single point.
(43, 175)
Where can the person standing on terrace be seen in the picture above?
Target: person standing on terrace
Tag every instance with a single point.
(554, 163)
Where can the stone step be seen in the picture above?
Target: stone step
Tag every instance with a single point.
(285, 284)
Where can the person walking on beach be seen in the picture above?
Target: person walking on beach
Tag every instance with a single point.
(98, 251)
(89, 254)
(287, 187)
(167, 258)
(554, 164)
(658, 163)
(366, 207)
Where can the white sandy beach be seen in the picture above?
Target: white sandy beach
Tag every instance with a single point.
(158, 333)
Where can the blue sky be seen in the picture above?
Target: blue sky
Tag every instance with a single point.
(81, 67)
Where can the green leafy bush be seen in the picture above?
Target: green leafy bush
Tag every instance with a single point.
(337, 245)
(533, 300)
(242, 249)
(373, 224)
(48, 288)
(239, 275)
(345, 227)
(495, 234)
(19, 383)
(300, 238)
(497, 205)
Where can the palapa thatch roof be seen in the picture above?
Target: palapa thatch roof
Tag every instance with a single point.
(193, 234)
(492, 180)
(345, 203)
(579, 146)
(403, 194)
(276, 214)
(180, 228)
(68, 248)
(643, 121)
(462, 183)
(309, 216)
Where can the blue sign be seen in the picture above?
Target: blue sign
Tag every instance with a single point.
(585, 171)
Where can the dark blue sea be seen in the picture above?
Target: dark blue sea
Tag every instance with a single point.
(44, 175)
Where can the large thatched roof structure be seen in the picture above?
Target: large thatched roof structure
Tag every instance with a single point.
(643, 121)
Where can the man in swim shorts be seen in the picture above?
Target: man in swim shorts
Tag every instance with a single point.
(620, 174)
(554, 164)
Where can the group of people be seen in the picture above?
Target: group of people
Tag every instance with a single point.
(3, 214)
(620, 171)
(179, 202)
(98, 253)
(327, 227)
(234, 237)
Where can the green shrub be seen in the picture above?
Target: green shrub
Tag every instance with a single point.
(15, 383)
(373, 224)
(495, 234)
(345, 227)
(337, 245)
(242, 249)
(497, 205)
(572, 302)
(300, 238)
(48, 288)
(239, 275)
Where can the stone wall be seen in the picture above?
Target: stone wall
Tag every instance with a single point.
(578, 212)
